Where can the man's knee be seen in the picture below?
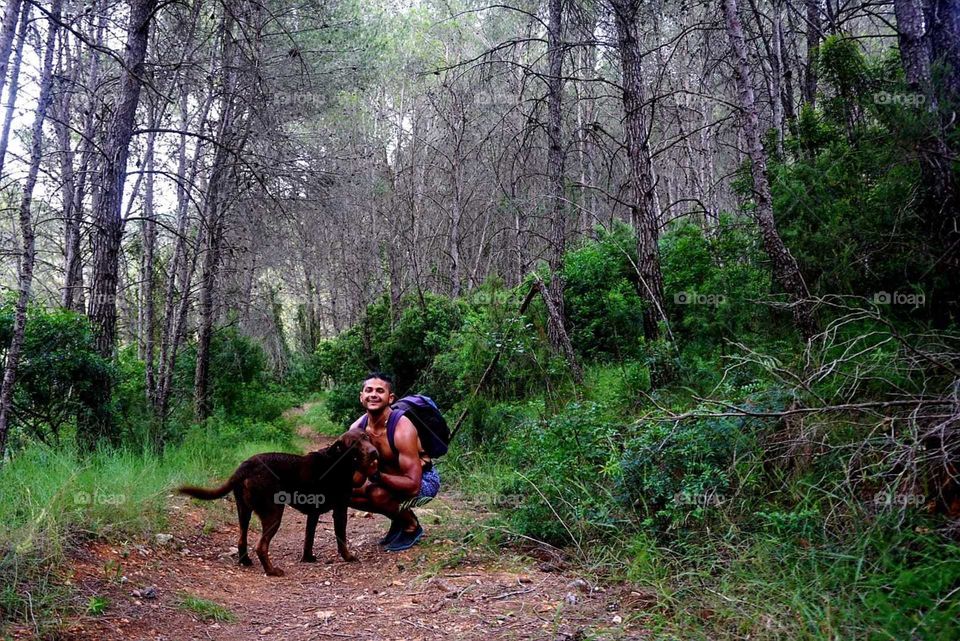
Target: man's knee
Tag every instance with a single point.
(378, 494)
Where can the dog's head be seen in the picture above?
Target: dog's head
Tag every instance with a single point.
(362, 454)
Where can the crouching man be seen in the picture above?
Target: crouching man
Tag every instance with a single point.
(406, 477)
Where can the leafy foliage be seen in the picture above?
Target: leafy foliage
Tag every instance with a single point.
(604, 310)
(60, 374)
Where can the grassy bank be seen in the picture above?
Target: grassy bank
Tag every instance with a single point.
(52, 500)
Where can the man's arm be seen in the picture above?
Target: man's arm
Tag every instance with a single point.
(407, 441)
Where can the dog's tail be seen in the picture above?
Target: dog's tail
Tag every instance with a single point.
(205, 494)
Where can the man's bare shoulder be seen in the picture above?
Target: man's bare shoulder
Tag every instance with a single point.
(406, 436)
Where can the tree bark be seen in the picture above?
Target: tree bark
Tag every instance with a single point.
(914, 47)
(644, 213)
(814, 35)
(944, 29)
(14, 84)
(556, 321)
(147, 306)
(555, 162)
(107, 207)
(786, 272)
(8, 29)
(28, 257)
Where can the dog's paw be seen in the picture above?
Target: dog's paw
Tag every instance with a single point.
(274, 572)
(349, 555)
(245, 561)
(308, 559)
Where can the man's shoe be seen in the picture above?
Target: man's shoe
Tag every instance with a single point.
(405, 540)
(395, 529)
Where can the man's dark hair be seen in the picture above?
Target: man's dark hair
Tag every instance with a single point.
(383, 376)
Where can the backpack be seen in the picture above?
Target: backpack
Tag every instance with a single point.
(431, 427)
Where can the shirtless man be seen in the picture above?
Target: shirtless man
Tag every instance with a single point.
(406, 477)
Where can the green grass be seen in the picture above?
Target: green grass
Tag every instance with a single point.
(205, 609)
(53, 499)
(97, 605)
(318, 419)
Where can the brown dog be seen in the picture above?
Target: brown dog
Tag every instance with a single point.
(313, 484)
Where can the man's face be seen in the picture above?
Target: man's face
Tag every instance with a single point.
(375, 395)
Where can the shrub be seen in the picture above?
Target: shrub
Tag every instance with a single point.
(60, 375)
(566, 466)
(675, 471)
(604, 310)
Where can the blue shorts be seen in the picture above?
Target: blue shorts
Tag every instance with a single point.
(429, 488)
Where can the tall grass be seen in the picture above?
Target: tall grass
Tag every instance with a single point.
(53, 499)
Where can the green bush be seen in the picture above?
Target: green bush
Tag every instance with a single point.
(60, 377)
(715, 285)
(566, 469)
(604, 310)
(675, 472)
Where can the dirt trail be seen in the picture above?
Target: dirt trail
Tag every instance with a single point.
(440, 589)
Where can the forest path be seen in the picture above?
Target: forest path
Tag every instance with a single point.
(440, 589)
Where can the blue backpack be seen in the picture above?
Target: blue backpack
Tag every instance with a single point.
(431, 427)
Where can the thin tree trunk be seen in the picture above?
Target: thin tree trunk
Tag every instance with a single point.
(644, 213)
(14, 84)
(180, 271)
(814, 35)
(71, 223)
(107, 208)
(7, 31)
(786, 272)
(149, 231)
(73, 294)
(556, 321)
(214, 214)
(555, 162)
(28, 258)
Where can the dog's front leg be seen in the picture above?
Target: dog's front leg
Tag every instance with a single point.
(312, 519)
(340, 530)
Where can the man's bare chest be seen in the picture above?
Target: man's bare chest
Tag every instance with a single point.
(388, 457)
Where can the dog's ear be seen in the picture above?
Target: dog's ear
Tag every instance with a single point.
(338, 448)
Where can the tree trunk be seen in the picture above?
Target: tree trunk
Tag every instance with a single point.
(107, 207)
(71, 222)
(556, 321)
(644, 212)
(14, 84)
(73, 291)
(786, 272)
(555, 162)
(147, 307)
(944, 27)
(914, 47)
(8, 29)
(180, 272)
(228, 141)
(814, 35)
(28, 258)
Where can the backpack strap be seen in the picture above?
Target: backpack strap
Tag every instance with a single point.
(392, 421)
